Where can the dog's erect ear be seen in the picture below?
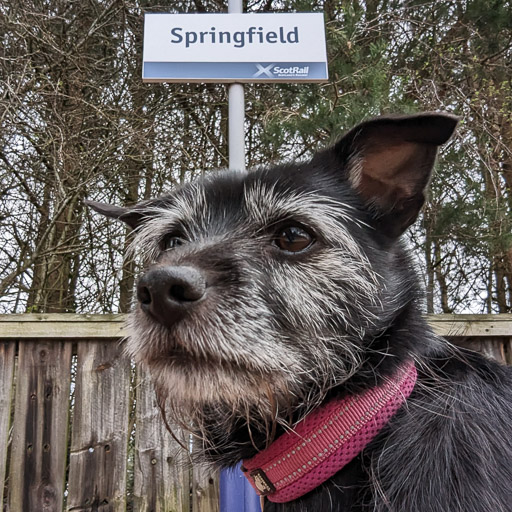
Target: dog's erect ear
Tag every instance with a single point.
(389, 161)
(130, 216)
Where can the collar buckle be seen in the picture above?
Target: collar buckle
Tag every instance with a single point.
(261, 481)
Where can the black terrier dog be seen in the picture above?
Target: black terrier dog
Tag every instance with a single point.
(279, 318)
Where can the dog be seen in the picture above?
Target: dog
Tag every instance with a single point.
(279, 314)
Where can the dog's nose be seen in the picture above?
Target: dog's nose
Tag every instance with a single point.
(167, 293)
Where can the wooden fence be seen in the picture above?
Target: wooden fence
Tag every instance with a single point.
(79, 428)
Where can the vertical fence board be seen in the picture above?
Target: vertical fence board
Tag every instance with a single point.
(162, 476)
(97, 472)
(7, 352)
(39, 445)
(205, 490)
(493, 348)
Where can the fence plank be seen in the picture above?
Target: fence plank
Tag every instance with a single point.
(7, 352)
(161, 475)
(494, 348)
(56, 326)
(38, 456)
(205, 490)
(97, 472)
(471, 325)
(508, 351)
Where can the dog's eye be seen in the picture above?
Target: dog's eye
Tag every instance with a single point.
(293, 239)
(172, 241)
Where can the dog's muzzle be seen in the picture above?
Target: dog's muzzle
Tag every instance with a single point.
(168, 293)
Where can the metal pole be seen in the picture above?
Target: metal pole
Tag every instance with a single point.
(236, 112)
(236, 134)
(236, 494)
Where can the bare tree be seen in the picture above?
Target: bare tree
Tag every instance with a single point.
(76, 121)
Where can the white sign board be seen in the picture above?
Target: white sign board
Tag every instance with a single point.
(234, 48)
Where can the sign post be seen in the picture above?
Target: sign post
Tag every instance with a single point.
(235, 48)
(236, 112)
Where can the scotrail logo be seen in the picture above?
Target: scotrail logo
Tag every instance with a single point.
(264, 71)
(275, 71)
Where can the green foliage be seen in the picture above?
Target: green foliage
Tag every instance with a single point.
(413, 56)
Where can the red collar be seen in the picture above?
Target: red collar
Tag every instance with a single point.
(326, 440)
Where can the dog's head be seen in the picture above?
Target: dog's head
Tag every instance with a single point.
(265, 290)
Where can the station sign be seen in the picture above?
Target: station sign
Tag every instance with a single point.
(227, 48)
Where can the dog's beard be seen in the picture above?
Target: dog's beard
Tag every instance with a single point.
(212, 385)
(216, 374)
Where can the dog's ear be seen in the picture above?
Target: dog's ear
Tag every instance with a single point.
(130, 216)
(389, 160)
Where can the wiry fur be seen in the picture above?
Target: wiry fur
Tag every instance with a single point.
(277, 334)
